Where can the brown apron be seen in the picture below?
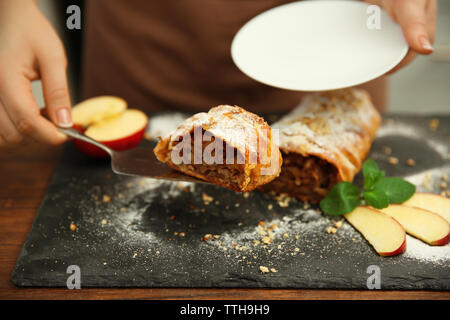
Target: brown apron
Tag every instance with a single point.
(173, 54)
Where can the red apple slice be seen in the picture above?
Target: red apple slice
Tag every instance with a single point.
(422, 224)
(96, 109)
(431, 202)
(384, 233)
(121, 132)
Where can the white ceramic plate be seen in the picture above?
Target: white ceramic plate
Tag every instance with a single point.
(317, 45)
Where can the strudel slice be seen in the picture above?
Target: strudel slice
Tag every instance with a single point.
(227, 146)
(323, 141)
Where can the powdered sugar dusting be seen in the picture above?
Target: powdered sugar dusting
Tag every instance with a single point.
(417, 249)
(162, 125)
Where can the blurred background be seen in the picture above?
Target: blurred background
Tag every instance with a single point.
(423, 87)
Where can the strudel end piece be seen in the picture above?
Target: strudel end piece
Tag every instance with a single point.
(324, 141)
(227, 146)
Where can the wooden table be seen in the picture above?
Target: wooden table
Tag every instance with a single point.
(24, 175)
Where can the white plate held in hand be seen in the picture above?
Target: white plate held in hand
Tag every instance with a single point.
(318, 45)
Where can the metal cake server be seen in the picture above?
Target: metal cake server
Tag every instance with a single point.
(139, 161)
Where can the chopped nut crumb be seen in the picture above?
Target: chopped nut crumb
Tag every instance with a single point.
(266, 240)
(182, 234)
(285, 235)
(73, 227)
(273, 270)
(410, 162)
(104, 221)
(264, 269)
(269, 207)
(338, 224)
(207, 237)
(393, 160)
(106, 198)
(207, 199)
(246, 195)
(433, 124)
(331, 230)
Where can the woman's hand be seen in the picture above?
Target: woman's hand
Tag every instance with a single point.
(417, 19)
(29, 50)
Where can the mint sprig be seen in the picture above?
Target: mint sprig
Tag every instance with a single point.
(342, 198)
(379, 191)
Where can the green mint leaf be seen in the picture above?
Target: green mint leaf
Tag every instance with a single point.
(376, 198)
(341, 199)
(371, 173)
(397, 190)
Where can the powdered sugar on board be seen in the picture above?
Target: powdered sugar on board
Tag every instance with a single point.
(163, 124)
(417, 249)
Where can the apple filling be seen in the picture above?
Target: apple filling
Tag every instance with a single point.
(306, 178)
(231, 174)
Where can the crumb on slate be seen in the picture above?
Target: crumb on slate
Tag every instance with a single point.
(433, 124)
(264, 269)
(331, 230)
(207, 199)
(410, 162)
(393, 160)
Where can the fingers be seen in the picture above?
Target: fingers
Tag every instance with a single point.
(431, 13)
(23, 112)
(55, 87)
(9, 135)
(412, 17)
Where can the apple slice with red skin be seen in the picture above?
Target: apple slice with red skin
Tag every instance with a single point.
(121, 132)
(96, 109)
(107, 120)
(431, 202)
(422, 224)
(384, 233)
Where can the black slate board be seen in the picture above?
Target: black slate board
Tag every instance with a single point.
(130, 241)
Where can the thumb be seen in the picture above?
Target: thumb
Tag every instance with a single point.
(411, 16)
(56, 91)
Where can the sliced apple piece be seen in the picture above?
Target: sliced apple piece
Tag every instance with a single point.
(431, 202)
(422, 224)
(384, 233)
(121, 132)
(96, 109)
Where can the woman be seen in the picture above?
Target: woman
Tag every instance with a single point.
(156, 55)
